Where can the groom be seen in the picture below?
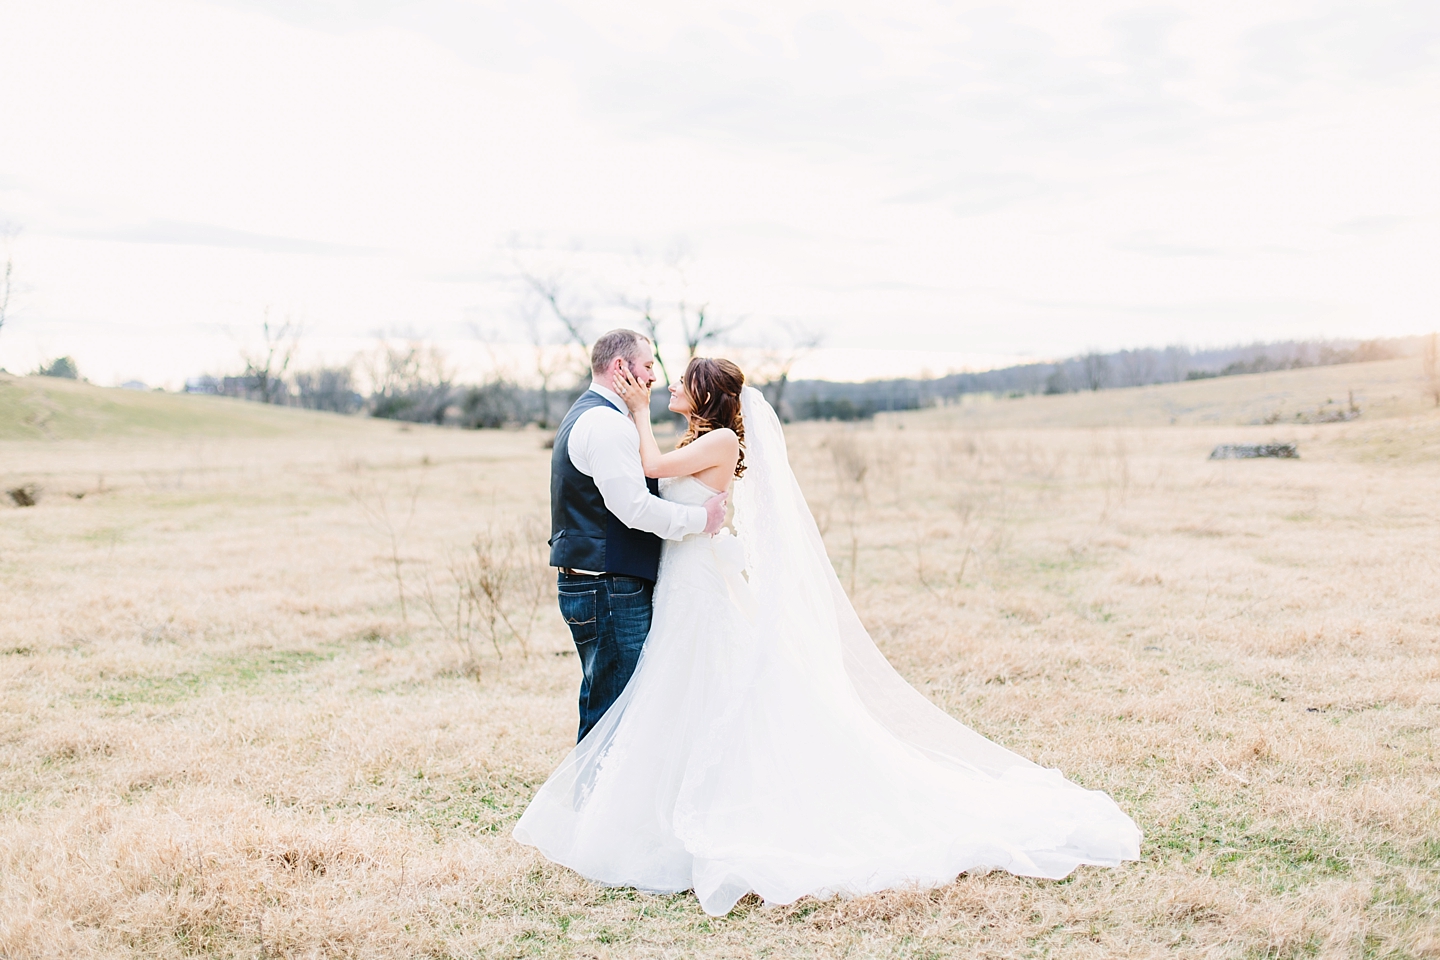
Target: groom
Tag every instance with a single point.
(606, 524)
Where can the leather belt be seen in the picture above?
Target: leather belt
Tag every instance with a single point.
(570, 571)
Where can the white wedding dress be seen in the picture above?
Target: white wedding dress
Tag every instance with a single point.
(764, 744)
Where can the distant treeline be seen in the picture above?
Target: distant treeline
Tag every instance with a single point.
(410, 382)
(828, 400)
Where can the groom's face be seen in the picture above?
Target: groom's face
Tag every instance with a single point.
(642, 364)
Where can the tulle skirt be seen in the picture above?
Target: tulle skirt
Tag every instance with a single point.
(735, 763)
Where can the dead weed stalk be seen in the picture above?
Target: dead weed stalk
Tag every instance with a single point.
(493, 593)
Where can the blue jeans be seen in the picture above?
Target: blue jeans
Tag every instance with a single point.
(609, 618)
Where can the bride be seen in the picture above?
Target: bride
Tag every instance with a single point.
(764, 743)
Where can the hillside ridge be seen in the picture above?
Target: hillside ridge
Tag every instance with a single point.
(1281, 399)
(52, 408)
(47, 408)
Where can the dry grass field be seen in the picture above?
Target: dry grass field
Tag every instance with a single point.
(220, 735)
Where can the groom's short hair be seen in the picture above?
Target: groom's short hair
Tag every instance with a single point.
(616, 343)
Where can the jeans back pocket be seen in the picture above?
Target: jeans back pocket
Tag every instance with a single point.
(578, 609)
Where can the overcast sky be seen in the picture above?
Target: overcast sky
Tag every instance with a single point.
(952, 183)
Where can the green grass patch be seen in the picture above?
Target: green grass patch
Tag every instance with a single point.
(221, 673)
(1282, 860)
(479, 804)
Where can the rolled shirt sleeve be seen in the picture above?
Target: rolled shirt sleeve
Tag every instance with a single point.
(605, 446)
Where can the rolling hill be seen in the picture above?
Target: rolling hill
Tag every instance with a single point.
(50, 408)
(1380, 390)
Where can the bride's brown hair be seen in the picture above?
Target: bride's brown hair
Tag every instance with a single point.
(713, 387)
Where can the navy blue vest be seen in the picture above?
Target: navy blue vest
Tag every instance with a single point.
(583, 534)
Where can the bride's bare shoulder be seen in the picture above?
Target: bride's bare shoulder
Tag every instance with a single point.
(720, 448)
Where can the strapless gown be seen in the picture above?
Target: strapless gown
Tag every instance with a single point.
(729, 764)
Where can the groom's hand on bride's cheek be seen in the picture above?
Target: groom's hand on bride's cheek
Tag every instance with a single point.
(715, 513)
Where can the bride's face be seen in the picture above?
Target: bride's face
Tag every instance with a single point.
(679, 399)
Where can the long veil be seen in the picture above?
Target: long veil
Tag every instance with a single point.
(799, 595)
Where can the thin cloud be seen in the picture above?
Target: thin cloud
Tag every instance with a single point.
(1373, 226)
(1156, 244)
(210, 235)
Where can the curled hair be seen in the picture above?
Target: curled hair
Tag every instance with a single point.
(713, 387)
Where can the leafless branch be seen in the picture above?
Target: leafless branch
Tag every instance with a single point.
(775, 361)
(267, 367)
(701, 334)
(551, 288)
(650, 325)
(500, 584)
(8, 232)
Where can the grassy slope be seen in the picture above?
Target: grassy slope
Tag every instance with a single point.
(41, 408)
(1389, 388)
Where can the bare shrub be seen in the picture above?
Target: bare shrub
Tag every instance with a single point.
(456, 615)
(494, 592)
(25, 495)
(392, 524)
(852, 463)
(942, 583)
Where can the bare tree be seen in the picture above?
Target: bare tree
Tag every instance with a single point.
(552, 361)
(409, 382)
(8, 232)
(266, 369)
(1177, 363)
(572, 317)
(1430, 360)
(650, 323)
(776, 360)
(328, 388)
(1097, 369)
(697, 325)
(698, 335)
(1138, 366)
(555, 290)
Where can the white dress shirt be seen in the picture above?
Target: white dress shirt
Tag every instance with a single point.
(605, 446)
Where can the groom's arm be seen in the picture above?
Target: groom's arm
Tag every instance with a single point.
(605, 447)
